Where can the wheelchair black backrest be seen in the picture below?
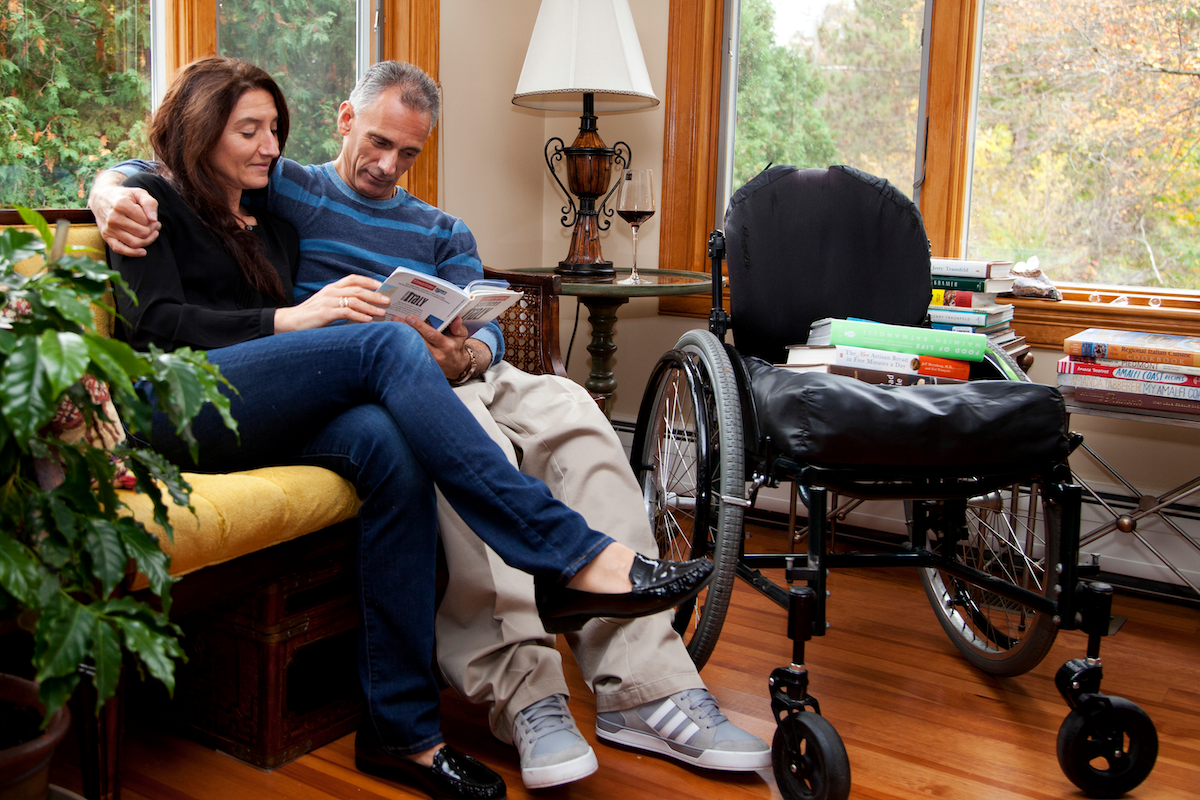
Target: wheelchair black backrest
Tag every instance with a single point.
(813, 243)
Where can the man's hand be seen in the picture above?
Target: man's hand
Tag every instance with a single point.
(351, 298)
(449, 347)
(126, 217)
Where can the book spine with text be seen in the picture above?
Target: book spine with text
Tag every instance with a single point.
(965, 268)
(1120, 351)
(1177, 369)
(904, 339)
(967, 316)
(1126, 372)
(1130, 387)
(882, 377)
(889, 361)
(961, 298)
(971, 284)
(1148, 402)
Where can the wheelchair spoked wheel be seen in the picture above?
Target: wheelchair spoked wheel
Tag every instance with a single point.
(1011, 536)
(809, 759)
(687, 456)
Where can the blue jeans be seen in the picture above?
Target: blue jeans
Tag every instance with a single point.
(369, 402)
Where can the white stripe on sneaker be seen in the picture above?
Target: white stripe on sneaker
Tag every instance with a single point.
(685, 736)
(675, 723)
(660, 712)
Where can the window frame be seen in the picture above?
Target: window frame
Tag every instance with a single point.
(695, 43)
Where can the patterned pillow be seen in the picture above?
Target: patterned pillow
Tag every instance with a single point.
(105, 432)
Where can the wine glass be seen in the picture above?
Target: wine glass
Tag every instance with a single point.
(635, 204)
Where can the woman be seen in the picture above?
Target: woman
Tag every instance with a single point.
(367, 401)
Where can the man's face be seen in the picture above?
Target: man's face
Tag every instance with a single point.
(379, 144)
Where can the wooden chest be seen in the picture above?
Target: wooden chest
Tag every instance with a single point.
(273, 674)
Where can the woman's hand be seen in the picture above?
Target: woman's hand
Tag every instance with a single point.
(352, 298)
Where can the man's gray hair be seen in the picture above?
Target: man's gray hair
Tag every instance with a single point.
(418, 91)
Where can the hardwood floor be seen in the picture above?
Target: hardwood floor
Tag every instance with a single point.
(916, 718)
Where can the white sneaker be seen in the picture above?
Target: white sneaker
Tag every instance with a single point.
(689, 727)
(552, 749)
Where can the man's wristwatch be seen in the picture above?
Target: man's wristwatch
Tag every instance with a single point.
(469, 372)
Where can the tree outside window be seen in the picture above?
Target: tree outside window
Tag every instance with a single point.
(1087, 148)
(824, 82)
(309, 48)
(74, 95)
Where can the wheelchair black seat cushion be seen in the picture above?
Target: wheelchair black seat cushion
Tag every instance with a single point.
(834, 420)
(813, 243)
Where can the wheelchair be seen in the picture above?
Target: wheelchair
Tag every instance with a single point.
(992, 513)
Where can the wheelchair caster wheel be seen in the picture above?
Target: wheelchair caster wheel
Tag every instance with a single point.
(1110, 753)
(809, 759)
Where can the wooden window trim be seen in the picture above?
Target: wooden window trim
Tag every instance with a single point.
(695, 35)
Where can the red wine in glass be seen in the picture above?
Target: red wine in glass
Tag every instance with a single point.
(635, 217)
(635, 204)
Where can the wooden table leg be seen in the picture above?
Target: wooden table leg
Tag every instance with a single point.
(602, 316)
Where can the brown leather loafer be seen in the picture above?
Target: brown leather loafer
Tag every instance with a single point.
(453, 776)
(657, 586)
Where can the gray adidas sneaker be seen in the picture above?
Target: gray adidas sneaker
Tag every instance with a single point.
(689, 727)
(552, 749)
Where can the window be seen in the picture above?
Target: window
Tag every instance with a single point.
(1087, 140)
(822, 82)
(76, 91)
(76, 75)
(698, 47)
(310, 49)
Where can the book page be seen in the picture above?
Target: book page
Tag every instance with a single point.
(430, 299)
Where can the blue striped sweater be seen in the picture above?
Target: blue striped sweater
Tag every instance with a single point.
(343, 232)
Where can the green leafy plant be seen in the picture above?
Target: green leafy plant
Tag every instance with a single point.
(66, 551)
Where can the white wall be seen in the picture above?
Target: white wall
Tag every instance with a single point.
(493, 175)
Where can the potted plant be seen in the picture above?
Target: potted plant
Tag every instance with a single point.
(65, 544)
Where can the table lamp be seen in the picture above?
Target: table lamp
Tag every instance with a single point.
(585, 53)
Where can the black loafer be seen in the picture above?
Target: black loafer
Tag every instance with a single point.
(657, 586)
(453, 776)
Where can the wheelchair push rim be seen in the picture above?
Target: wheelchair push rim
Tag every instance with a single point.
(688, 459)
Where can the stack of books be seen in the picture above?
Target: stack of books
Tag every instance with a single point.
(964, 300)
(1132, 369)
(890, 355)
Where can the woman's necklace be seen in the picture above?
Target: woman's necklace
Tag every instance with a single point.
(246, 220)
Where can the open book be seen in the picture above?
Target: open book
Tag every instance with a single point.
(438, 302)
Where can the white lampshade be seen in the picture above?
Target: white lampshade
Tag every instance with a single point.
(581, 46)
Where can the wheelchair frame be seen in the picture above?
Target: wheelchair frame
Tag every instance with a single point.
(808, 756)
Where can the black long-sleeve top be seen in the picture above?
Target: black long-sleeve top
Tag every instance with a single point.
(190, 291)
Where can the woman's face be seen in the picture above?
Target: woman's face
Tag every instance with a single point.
(248, 144)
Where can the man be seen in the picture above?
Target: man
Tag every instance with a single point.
(492, 647)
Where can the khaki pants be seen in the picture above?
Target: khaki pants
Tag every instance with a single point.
(491, 645)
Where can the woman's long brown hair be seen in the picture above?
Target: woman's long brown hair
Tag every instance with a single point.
(185, 131)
